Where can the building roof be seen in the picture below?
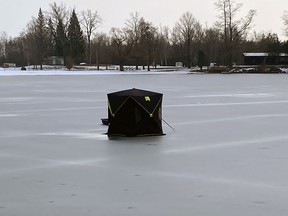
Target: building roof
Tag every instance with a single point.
(255, 54)
(261, 54)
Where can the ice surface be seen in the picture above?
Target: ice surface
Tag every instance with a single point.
(228, 154)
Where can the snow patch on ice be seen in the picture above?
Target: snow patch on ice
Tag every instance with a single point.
(105, 72)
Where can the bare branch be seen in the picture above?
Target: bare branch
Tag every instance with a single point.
(285, 22)
(233, 29)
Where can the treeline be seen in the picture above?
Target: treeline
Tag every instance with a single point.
(75, 36)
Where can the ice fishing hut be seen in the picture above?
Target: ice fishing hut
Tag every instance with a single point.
(135, 112)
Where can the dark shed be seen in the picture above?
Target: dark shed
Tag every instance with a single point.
(135, 112)
(265, 59)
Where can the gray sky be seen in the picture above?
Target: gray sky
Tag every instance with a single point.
(15, 14)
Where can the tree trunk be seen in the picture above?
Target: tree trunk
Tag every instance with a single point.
(97, 58)
(121, 67)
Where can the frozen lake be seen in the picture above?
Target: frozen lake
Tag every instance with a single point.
(228, 155)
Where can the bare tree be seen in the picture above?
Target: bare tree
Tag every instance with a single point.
(14, 51)
(147, 40)
(29, 45)
(120, 38)
(126, 38)
(184, 34)
(133, 25)
(232, 29)
(90, 21)
(101, 43)
(164, 44)
(212, 45)
(59, 13)
(285, 21)
(3, 41)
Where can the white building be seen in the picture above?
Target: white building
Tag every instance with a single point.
(54, 60)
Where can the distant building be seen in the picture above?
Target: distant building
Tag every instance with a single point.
(54, 60)
(9, 65)
(179, 64)
(265, 59)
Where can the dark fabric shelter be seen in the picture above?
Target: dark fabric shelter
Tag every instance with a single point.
(135, 112)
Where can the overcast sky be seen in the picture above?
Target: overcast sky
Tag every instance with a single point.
(15, 14)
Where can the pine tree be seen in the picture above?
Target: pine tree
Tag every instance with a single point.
(42, 38)
(60, 40)
(52, 36)
(75, 39)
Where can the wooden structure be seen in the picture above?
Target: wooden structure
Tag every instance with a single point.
(265, 59)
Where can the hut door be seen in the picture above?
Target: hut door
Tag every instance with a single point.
(137, 115)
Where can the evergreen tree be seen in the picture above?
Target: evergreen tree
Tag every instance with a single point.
(201, 59)
(52, 37)
(60, 40)
(75, 39)
(42, 38)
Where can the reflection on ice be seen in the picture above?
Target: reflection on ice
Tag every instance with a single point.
(227, 145)
(209, 179)
(95, 135)
(232, 95)
(247, 117)
(229, 104)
